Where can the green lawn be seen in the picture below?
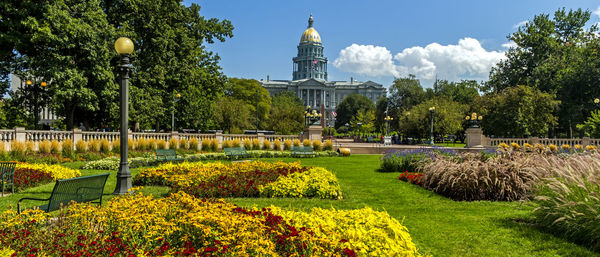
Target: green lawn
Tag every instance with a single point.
(439, 226)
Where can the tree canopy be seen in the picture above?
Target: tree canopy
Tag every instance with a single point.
(287, 113)
(349, 107)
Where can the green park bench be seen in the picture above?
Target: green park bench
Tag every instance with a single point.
(298, 151)
(81, 189)
(167, 155)
(236, 152)
(7, 175)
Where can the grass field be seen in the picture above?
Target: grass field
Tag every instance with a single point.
(439, 226)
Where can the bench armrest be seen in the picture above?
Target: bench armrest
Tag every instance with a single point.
(28, 198)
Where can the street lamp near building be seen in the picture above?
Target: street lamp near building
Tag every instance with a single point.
(176, 98)
(431, 111)
(124, 46)
(387, 124)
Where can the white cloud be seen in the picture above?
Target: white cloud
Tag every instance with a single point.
(466, 60)
(366, 60)
(597, 11)
(509, 44)
(522, 23)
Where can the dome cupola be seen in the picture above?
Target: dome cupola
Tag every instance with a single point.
(310, 35)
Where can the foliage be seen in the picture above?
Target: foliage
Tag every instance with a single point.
(306, 142)
(328, 145)
(277, 145)
(363, 121)
(232, 114)
(448, 118)
(315, 182)
(287, 113)
(67, 148)
(193, 143)
(266, 145)
(287, 144)
(363, 229)
(44, 146)
(519, 111)
(250, 91)
(316, 144)
(402, 161)
(464, 92)
(405, 93)
(30, 175)
(591, 127)
(112, 163)
(412, 177)
(81, 146)
(350, 106)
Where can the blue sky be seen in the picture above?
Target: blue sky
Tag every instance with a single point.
(376, 40)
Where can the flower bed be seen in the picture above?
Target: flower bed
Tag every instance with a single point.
(412, 177)
(243, 179)
(181, 225)
(30, 175)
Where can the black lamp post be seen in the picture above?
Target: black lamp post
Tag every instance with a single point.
(176, 98)
(431, 111)
(124, 47)
(387, 124)
(36, 105)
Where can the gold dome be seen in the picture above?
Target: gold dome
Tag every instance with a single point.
(310, 35)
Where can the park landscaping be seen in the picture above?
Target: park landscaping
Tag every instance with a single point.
(437, 225)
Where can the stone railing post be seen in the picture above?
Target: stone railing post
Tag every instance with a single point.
(77, 136)
(261, 138)
(585, 141)
(20, 134)
(219, 138)
(475, 138)
(174, 134)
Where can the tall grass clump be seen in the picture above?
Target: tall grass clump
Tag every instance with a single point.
(404, 161)
(44, 146)
(183, 144)
(142, 144)
(116, 146)
(30, 147)
(236, 143)
(80, 146)
(472, 177)
(306, 142)
(277, 145)
(206, 144)
(256, 144)
(266, 145)
(247, 144)
(214, 145)
(296, 142)
(227, 144)
(67, 148)
(328, 145)
(161, 144)
(316, 145)
(54, 147)
(130, 144)
(193, 143)
(94, 145)
(287, 144)
(17, 149)
(151, 144)
(104, 146)
(568, 198)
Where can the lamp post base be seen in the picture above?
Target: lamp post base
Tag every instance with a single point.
(123, 180)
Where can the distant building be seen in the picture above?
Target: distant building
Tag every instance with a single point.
(310, 79)
(47, 116)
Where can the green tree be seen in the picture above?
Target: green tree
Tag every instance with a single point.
(381, 111)
(591, 127)
(231, 114)
(518, 112)
(447, 119)
(349, 107)
(287, 113)
(363, 121)
(250, 91)
(464, 92)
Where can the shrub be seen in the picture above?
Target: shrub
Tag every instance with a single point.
(401, 161)
(30, 147)
(183, 144)
(296, 142)
(277, 145)
(193, 143)
(227, 144)
(287, 144)
(81, 146)
(316, 145)
(306, 142)
(266, 145)
(256, 144)
(94, 145)
(161, 144)
(17, 149)
(44, 146)
(206, 144)
(214, 145)
(104, 146)
(328, 145)
(247, 143)
(54, 147)
(116, 145)
(151, 144)
(236, 143)
(316, 182)
(67, 148)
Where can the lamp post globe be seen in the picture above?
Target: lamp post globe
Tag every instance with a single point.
(124, 47)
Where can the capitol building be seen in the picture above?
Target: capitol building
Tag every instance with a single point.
(310, 79)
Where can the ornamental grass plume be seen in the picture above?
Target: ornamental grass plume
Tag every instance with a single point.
(227, 144)
(54, 147)
(30, 147)
(151, 144)
(316, 145)
(205, 144)
(277, 145)
(306, 142)
(141, 144)
(116, 146)
(236, 143)
(81, 146)
(214, 145)
(256, 144)
(328, 145)
(266, 145)
(193, 143)
(161, 144)
(183, 144)
(296, 142)
(247, 143)
(93, 145)
(67, 148)
(130, 144)
(287, 144)
(17, 149)
(173, 143)
(44, 146)
(104, 146)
